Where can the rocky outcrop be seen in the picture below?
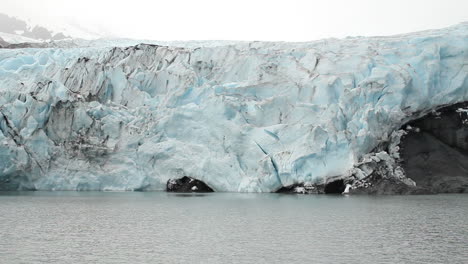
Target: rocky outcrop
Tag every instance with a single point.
(376, 184)
(25, 45)
(435, 151)
(331, 187)
(380, 171)
(429, 155)
(187, 184)
(301, 188)
(3, 43)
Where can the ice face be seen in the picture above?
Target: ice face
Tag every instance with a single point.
(247, 116)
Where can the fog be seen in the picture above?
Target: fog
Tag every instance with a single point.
(292, 20)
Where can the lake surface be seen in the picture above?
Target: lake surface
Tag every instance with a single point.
(158, 227)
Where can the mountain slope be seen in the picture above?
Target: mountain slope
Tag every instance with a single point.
(43, 31)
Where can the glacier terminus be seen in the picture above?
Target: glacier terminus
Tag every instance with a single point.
(238, 116)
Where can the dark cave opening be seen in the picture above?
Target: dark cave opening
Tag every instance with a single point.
(187, 184)
(434, 153)
(334, 187)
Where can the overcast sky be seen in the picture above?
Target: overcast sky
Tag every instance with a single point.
(289, 20)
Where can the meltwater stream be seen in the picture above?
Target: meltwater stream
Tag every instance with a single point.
(157, 227)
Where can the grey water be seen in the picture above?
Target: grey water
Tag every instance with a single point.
(158, 227)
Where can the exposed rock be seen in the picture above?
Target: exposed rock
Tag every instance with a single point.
(380, 172)
(435, 152)
(187, 184)
(27, 45)
(376, 184)
(429, 156)
(3, 43)
(302, 188)
(332, 187)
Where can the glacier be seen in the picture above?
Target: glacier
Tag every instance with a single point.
(239, 116)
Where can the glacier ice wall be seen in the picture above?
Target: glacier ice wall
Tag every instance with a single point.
(246, 116)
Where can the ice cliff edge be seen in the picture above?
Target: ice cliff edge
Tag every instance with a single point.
(247, 116)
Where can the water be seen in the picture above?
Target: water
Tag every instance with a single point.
(92, 227)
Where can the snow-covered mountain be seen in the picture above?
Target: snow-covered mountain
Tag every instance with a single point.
(15, 30)
(246, 116)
